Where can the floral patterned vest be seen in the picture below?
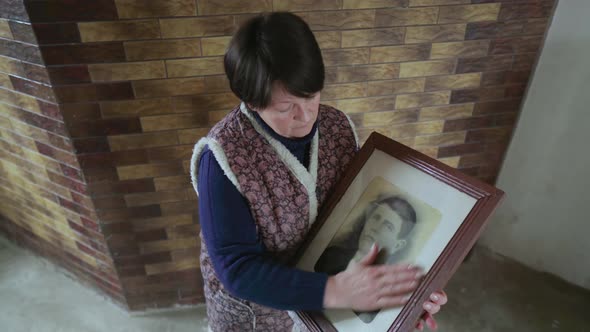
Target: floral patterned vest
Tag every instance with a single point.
(282, 194)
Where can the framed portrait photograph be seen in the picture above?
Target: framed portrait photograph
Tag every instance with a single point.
(419, 210)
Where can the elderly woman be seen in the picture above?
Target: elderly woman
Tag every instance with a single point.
(262, 173)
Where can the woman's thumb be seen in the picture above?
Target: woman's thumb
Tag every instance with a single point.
(371, 255)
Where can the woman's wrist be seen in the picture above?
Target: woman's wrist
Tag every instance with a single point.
(331, 294)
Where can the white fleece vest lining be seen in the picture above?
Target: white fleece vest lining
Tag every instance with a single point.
(307, 178)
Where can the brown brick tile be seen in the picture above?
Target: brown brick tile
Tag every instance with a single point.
(364, 4)
(469, 13)
(459, 149)
(379, 88)
(477, 95)
(216, 7)
(91, 145)
(183, 231)
(21, 51)
(446, 112)
(182, 152)
(130, 213)
(104, 127)
(204, 103)
(419, 3)
(74, 10)
(524, 61)
(109, 159)
(489, 63)
(505, 119)
(127, 71)
(162, 222)
(422, 99)
(119, 30)
(136, 108)
(468, 123)
(82, 54)
(328, 39)
(141, 141)
(427, 68)
(360, 105)
(20, 100)
(416, 129)
(497, 107)
(191, 136)
(399, 53)
(377, 119)
(212, 46)
(499, 134)
(339, 20)
(44, 123)
(101, 174)
(296, 5)
(490, 30)
(405, 16)
(349, 90)
(346, 74)
(22, 32)
(464, 49)
(56, 33)
(158, 197)
(167, 245)
(197, 26)
(172, 182)
(146, 8)
(11, 66)
(516, 45)
(93, 92)
(162, 49)
(512, 11)
(5, 81)
(216, 84)
(169, 87)
(373, 37)
(33, 88)
(350, 56)
(69, 74)
(505, 77)
(435, 33)
(36, 73)
(453, 82)
(176, 121)
(80, 112)
(121, 187)
(5, 29)
(195, 67)
(440, 139)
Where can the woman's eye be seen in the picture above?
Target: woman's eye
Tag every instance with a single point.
(388, 225)
(285, 110)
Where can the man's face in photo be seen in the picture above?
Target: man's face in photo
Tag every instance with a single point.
(383, 226)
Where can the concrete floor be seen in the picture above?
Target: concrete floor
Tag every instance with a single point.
(488, 293)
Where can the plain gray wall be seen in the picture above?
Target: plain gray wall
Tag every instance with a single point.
(544, 221)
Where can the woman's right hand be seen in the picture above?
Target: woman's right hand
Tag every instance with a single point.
(366, 287)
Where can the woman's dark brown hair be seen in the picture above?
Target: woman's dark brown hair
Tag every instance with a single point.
(274, 47)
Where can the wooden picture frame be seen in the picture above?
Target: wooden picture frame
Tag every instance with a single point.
(464, 205)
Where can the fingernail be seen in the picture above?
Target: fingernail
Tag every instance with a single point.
(428, 306)
(434, 297)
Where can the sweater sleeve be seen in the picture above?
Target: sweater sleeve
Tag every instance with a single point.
(239, 257)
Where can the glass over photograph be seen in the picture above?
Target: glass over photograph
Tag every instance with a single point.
(397, 222)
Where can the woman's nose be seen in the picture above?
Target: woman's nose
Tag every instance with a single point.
(303, 114)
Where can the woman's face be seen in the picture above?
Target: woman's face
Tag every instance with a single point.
(288, 115)
(383, 226)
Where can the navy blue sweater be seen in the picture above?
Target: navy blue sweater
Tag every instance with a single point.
(239, 257)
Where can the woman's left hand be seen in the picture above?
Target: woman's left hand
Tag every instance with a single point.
(432, 306)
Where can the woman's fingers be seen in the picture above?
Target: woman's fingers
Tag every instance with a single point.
(392, 301)
(439, 298)
(430, 322)
(431, 308)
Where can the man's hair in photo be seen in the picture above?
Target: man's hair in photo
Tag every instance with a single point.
(401, 206)
(273, 47)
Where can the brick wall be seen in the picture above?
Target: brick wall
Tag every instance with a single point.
(44, 201)
(133, 84)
